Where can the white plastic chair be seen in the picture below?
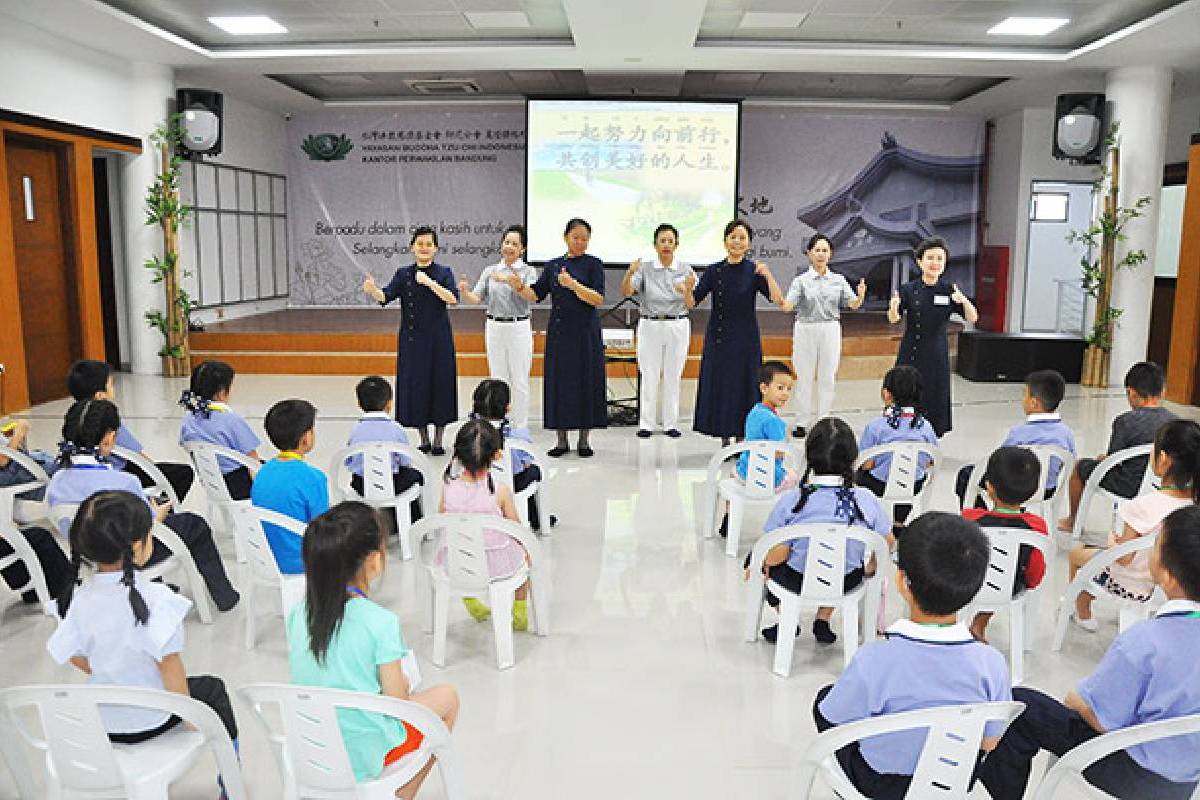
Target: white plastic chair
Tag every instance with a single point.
(947, 760)
(22, 553)
(14, 509)
(1093, 488)
(759, 486)
(262, 571)
(996, 592)
(824, 576)
(503, 469)
(208, 474)
(900, 489)
(1130, 611)
(464, 573)
(81, 762)
(180, 559)
(1045, 508)
(161, 484)
(1069, 769)
(312, 757)
(379, 489)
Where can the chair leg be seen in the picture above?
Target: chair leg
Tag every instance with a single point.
(441, 620)
(539, 606)
(197, 588)
(873, 598)
(404, 530)
(1065, 605)
(543, 507)
(752, 613)
(785, 640)
(225, 514)
(248, 611)
(1032, 607)
(501, 600)
(1016, 641)
(736, 512)
(849, 630)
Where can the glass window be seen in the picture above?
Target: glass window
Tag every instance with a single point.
(1050, 207)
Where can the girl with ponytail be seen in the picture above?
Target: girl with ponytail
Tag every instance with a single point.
(122, 630)
(89, 433)
(339, 638)
(491, 402)
(212, 420)
(826, 494)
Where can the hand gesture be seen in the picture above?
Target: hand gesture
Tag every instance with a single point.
(423, 278)
(511, 278)
(862, 287)
(634, 267)
(686, 285)
(463, 284)
(369, 285)
(957, 296)
(160, 510)
(761, 269)
(565, 279)
(894, 303)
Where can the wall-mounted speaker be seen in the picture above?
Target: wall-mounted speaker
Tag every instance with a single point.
(202, 121)
(1079, 127)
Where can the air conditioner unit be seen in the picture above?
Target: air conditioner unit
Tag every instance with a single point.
(444, 86)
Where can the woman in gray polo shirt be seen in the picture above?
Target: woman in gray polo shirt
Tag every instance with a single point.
(508, 335)
(663, 331)
(817, 296)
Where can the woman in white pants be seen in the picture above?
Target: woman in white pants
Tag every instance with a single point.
(817, 296)
(508, 335)
(663, 331)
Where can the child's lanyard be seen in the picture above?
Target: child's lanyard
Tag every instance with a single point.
(354, 590)
(289, 455)
(1187, 614)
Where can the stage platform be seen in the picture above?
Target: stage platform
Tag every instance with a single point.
(362, 341)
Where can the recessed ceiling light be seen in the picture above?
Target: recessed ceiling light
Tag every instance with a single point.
(1027, 26)
(247, 26)
(497, 19)
(771, 19)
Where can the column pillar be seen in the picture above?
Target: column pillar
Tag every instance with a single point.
(153, 89)
(1141, 99)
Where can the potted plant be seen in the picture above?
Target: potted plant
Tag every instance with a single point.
(1102, 237)
(164, 209)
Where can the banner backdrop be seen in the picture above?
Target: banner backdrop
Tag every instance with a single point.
(360, 179)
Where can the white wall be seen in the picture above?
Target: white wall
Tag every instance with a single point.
(1184, 122)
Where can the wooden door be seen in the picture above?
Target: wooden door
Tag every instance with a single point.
(45, 272)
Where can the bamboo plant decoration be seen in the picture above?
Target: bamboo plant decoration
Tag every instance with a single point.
(163, 208)
(1102, 237)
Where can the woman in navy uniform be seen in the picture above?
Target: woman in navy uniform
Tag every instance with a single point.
(732, 355)
(927, 302)
(573, 389)
(426, 385)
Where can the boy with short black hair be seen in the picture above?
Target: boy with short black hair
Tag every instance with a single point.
(377, 425)
(1010, 481)
(287, 484)
(1148, 674)
(928, 660)
(89, 379)
(1043, 392)
(1143, 390)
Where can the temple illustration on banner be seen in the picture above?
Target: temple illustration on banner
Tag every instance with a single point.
(899, 198)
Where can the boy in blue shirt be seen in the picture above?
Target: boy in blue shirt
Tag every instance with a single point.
(374, 395)
(1044, 390)
(763, 423)
(1148, 674)
(926, 661)
(287, 484)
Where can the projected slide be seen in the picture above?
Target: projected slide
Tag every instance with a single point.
(625, 167)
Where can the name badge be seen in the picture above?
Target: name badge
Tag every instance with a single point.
(941, 299)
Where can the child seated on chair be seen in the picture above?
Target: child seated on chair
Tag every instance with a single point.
(1143, 390)
(901, 422)
(1044, 391)
(1176, 460)
(122, 630)
(212, 420)
(89, 433)
(89, 379)
(16, 437)
(469, 488)
(764, 424)
(491, 402)
(338, 638)
(377, 425)
(1011, 480)
(1148, 674)
(927, 660)
(826, 494)
(286, 483)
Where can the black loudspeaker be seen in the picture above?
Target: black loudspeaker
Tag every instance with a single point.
(202, 121)
(1079, 127)
(1000, 357)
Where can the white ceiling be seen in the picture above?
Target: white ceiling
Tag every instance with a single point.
(847, 50)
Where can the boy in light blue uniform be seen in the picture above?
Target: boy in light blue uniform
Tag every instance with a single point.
(1044, 391)
(926, 661)
(287, 484)
(374, 395)
(1148, 674)
(763, 424)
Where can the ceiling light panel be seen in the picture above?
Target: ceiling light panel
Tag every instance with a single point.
(771, 20)
(248, 26)
(497, 19)
(1027, 26)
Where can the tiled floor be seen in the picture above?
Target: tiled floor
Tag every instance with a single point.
(644, 688)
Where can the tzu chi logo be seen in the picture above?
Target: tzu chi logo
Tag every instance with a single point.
(327, 146)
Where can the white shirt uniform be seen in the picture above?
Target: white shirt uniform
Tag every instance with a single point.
(663, 334)
(816, 340)
(508, 335)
